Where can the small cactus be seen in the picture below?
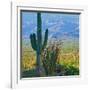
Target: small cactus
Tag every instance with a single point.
(37, 44)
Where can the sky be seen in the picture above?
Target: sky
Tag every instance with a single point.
(60, 25)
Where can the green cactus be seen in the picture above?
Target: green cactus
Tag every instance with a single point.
(37, 43)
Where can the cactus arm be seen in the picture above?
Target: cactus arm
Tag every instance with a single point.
(45, 39)
(33, 41)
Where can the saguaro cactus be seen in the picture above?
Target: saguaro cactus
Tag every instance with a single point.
(37, 43)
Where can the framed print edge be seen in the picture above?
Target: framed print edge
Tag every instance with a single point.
(16, 81)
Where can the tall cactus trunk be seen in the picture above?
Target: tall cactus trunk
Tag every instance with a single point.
(39, 42)
(38, 69)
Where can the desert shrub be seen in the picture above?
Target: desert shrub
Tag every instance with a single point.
(70, 70)
(63, 70)
(50, 58)
(29, 73)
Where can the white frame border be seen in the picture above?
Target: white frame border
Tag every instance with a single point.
(15, 34)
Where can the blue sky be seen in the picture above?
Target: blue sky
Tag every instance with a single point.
(59, 24)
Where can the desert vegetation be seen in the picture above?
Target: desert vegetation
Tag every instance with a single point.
(55, 61)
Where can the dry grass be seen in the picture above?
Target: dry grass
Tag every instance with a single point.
(28, 60)
(67, 59)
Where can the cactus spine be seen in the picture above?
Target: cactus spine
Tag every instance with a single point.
(37, 43)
